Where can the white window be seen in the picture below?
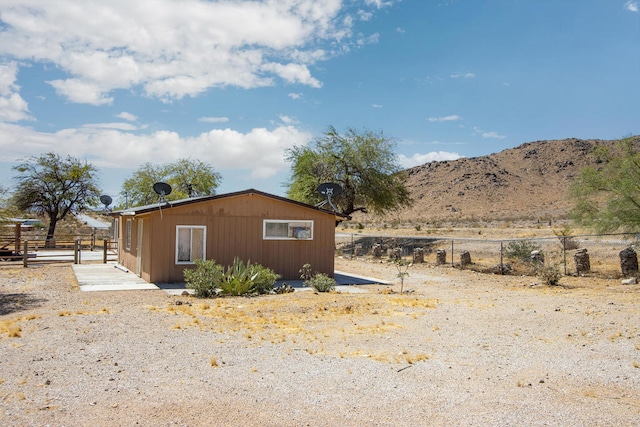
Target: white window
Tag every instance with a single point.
(127, 238)
(276, 229)
(190, 243)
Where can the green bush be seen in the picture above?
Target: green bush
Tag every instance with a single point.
(208, 278)
(550, 275)
(264, 279)
(205, 278)
(321, 282)
(520, 250)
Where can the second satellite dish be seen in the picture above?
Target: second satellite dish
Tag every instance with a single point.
(329, 189)
(162, 188)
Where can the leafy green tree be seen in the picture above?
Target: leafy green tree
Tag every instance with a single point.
(363, 163)
(55, 186)
(608, 196)
(187, 177)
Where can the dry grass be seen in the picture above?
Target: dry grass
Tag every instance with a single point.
(321, 323)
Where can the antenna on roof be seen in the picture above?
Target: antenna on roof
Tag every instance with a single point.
(329, 190)
(162, 189)
(106, 201)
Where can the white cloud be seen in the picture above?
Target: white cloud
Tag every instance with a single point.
(462, 75)
(260, 152)
(376, 106)
(295, 95)
(170, 49)
(420, 159)
(400, 30)
(117, 126)
(127, 116)
(287, 120)
(13, 107)
(486, 135)
(631, 6)
(451, 118)
(379, 4)
(213, 119)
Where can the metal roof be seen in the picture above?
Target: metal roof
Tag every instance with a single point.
(137, 210)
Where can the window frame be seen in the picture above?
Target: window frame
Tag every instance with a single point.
(127, 234)
(293, 224)
(204, 243)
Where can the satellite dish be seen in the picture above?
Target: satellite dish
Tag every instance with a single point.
(106, 201)
(329, 190)
(162, 188)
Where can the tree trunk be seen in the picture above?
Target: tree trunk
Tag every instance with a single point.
(51, 241)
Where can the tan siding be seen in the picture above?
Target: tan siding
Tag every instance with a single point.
(234, 228)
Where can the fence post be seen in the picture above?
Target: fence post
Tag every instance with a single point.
(25, 253)
(564, 253)
(93, 240)
(501, 266)
(105, 244)
(452, 257)
(75, 251)
(353, 248)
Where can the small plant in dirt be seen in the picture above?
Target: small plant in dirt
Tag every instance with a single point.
(567, 241)
(520, 250)
(320, 282)
(403, 266)
(549, 274)
(205, 278)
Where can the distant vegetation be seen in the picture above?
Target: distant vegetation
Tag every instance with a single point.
(608, 195)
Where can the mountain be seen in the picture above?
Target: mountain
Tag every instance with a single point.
(530, 181)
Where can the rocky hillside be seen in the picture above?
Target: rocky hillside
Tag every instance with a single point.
(529, 181)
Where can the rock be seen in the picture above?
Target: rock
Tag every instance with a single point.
(441, 257)
(631, 281)
(629, 262)
(465, 258)
(418, 255)
(581, 258)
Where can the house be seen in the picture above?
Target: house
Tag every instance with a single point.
(159, 241)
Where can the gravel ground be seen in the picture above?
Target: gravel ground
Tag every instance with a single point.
(461, 348)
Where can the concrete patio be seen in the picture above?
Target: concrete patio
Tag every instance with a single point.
(113, 277)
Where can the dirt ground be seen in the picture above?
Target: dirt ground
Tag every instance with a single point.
(460, 348)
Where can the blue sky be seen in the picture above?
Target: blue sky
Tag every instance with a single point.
(237, 83)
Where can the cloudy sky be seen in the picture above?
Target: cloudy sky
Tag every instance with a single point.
(235, 83)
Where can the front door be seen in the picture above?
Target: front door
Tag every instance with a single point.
(139, 250)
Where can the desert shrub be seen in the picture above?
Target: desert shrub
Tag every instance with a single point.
(242, 279)
(306, 272)
(318, 281)
(520, 250)
(208, 278)
(549, 274)
(265, 279)
(567, 241)
(205, 278)
(321, 283)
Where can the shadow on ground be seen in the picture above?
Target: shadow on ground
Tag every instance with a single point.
(11, 303)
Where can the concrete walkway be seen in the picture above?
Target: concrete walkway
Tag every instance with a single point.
(107, 277)
(112, 277)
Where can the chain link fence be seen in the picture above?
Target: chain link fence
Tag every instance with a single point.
(591, 255)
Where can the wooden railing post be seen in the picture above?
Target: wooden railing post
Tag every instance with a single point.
(105, 245)
(25, 253)
(76, 245)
